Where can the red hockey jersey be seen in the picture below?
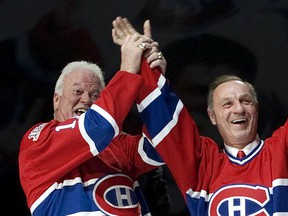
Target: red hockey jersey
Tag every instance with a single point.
(212, 181)
(85, 165)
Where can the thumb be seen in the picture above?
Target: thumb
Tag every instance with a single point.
(147, 29)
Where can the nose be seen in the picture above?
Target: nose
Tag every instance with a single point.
(238, 107)
(86, 99)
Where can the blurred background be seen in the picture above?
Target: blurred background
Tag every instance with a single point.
(199, 38)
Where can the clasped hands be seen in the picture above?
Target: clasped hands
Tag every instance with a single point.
(123, 32)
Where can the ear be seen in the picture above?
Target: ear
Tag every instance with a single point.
(211, 116)
(56, 99)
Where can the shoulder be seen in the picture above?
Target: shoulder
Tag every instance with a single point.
(33, 134)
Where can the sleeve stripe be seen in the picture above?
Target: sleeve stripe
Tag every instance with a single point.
(98, 134)
(161, 82)
(149, 99)
(146, 156)
(153, 95)
(90, 142)
(108, 117)
(166, 130)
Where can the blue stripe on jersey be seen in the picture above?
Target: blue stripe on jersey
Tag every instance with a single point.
(76, 197)
(156, 120)
(148, 153)
(98, 128)
(272, 201)
(61, 202)
(280, 195)
(196, 206)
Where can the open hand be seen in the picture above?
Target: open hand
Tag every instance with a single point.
(123, 28)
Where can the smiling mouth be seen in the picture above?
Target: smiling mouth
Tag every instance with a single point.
(239, 121)
(80, 111)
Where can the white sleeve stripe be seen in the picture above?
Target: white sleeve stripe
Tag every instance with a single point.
(161, 81)
(149, 99)
(153, 95)
(166, 130)
(43, 197)
(108, 117)
(90, 142)
(280, 182)
(144, 155)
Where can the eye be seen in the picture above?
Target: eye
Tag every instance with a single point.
(94, 96)
(227, 104)
(77, 91)
(247, 101)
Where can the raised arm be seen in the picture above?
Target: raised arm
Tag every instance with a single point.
(167, 122)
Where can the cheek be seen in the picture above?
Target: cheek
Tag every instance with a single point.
(255, 117)
(68, 102)
(253, 112)
(223, 117)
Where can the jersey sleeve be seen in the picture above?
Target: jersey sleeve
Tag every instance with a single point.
(281, 135)
(170, 127)
(139, 153)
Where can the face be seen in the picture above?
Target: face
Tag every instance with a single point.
(234, 113)
(80, 89)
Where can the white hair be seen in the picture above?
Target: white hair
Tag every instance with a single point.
(76, 65)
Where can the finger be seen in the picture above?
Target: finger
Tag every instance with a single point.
(159, 63)
(124, 27)
(127, 27)
(145, 46)
(147, 29)
(155, 63)
(114, 36)
(115, 31)
(122, 23)
(118, 27)
(156, 44)
(152, 55)
(143, 38)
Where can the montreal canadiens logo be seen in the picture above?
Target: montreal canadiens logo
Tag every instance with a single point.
(114, 195)
(239, 200)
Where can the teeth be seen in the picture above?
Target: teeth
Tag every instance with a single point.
(81, 110)
(239, 121)
(78, 112)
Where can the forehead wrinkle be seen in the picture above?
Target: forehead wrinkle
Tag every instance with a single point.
(87, 80)
(228, 91)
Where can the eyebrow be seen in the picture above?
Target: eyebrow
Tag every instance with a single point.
(241, 96)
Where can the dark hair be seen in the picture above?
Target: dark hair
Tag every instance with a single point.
(227, 78)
